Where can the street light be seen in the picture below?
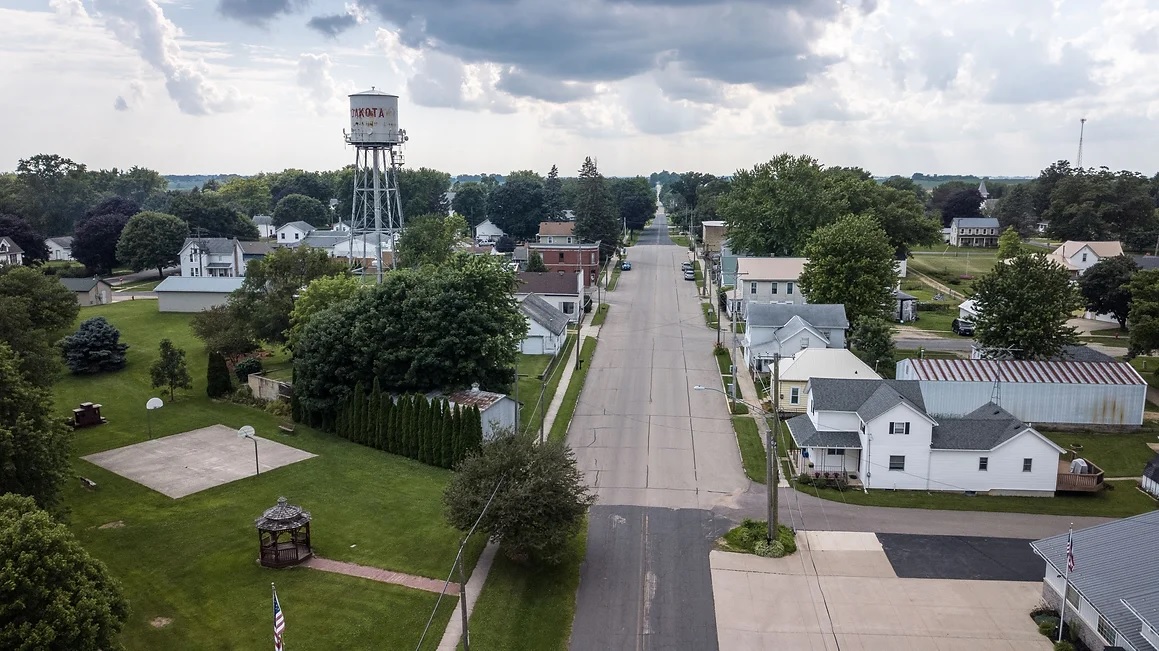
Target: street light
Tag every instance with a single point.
(153, 403)
(771, 470)
(247, 432)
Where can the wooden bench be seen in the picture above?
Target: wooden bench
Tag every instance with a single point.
(88, 483)
(286, 426)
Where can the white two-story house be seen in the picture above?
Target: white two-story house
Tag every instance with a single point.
(557, 233)
(974, 231)
(1077, 257)
(877, 433)
(766, 280)
(212, 257)
(265, 224)
(785, 329)
(10, 253)
(290, 234)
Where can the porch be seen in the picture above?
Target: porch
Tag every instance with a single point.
(1087, 478)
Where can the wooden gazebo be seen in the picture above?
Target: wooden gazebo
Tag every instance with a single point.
(284, 535)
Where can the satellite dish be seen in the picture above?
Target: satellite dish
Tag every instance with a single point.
(154, 403)
(246, 432)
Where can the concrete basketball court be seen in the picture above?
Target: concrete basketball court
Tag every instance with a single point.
(193, 461)
(839, 592)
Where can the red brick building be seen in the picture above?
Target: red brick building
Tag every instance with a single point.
(570, 257)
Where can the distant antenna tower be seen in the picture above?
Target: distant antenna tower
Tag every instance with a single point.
(1079, 159)
(376, 212)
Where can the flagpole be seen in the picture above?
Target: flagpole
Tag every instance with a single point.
(1065, 582)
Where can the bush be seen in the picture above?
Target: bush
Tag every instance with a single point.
(246, 366)
(750, 537)
(936, 307)
(762, 547)
(1063, 646)
(279, 408)
(94, 348)
(217, 380)
(1047, 628)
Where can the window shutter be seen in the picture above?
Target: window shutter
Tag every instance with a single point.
(891, 427)
(907, 427)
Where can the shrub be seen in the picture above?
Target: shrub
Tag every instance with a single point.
(217, 380)
(1063, 646)
(279, 408)
(805, 479)
(762, 547)
(246, 366)
(94, 348)
(1047, 628)
(777, 549)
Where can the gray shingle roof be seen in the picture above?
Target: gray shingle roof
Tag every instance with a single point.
(80, 284)
(1082, 353)
(305, 227)
(257, 248)
(12, 246)
(327, 239)
(545, 314)
(263, 220)
(805, 435)
(977, 222)
(215, 245)
(869, 398)
(778, 314)
(985, 428)
(1108, 567)
(64, 241)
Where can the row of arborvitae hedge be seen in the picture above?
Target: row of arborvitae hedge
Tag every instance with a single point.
(431, 431)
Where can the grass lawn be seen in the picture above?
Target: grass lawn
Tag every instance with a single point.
(1125, 500)
(752, 451)
(600, 315)
(950, 268)
(140, 287)
(535, 415)
(615, 278)
(572, 393)
(1148, 367)
(193, 559)
(709, 315)
(531, 370)
(531, 609)
(723, 361)
(679, 240)
(1119, 455)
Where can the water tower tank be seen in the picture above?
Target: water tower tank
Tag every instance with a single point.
(373, 118)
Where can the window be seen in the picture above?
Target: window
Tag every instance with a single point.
(281, 236)
(1072, 596)
(899, 428)
(795, 396)
(1084, 257)
(1105, 630)
(983, 463)
(752, 288)
(789, 288)
(804, 343)
(773, 288)
(561, 256)
(835, 452)
(896, 462)
(297, 236)
(1027, 464)
(191, 255)
(569, 308)
(550, 240)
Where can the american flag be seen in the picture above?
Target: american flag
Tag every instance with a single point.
(1070, 552)
(279, 622)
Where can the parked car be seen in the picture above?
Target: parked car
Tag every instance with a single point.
(686, 265)
(625, 266)
(962, 327)
(689, 274)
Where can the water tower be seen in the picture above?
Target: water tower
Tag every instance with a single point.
(376, 215)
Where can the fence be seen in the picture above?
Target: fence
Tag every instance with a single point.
(269, 390)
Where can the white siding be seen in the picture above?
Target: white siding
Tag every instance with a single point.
(957, 470)
(838, 421)
(500, 415)
(189, 301)
(1151, 486)
(824, 462)
(539, 340)
(1038, 402)
(765, 289)
(558, 301)
(915, 447)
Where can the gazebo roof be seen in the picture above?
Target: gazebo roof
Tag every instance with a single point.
(282, 517)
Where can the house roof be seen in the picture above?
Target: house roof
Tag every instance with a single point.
(263, 220)
(902, 296)
(556, 228)
(976, 222)
(824, 362)
(1147, 261)
(305, 227)
(520, 254)
(1101, 249)
(11, 245)
(327, 239)
(257, 248)
(770, 268)
(776, 315)
(1107, 567)
(985, 428)
(805, 435)
(203, 284)
(545, 314)
(474, 397)
(65, 241)
(81, 284)
(713, 223)
(1082, 353)
(1145, 606)
(213, 245)
(986, 370)
(547, 282)
(869, 398)
(1151, 470)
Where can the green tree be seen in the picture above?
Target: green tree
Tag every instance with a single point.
(22, 234)
(872, 338)
(553, 196)
(266, 297)
(300, 208)
(539, 506)
(1009, 244)
(54, 192)
(34, 446)
(169, 370)
(94, 348)
(471, 202)
(910, 186)
(224, 332)
(1016, 210)
(321, 294)
(636, 201)
(423, 191)
(248, 195)
(55, 596)
(1023, 306)
(152, 240)
(851, 263)
(516, 207)
(207, 213)
(535, 262)
(773, 208)
(1144, 291)
(1106, 287)
(1099, 205)
(428, 239)
(217, 379)
(95, 242)
(596, 219)
(294, 181)
(35, 312)
(963, 204)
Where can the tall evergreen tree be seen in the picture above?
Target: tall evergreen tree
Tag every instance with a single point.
(397, 409)
(447, 437)
(475, 431)
(373, 408)
(217, 378)
(358, 412)
(414, 433)
(553, 196)
(595, 211)
(385, 414)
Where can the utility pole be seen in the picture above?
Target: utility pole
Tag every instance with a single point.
(463, 600)
(771, 474)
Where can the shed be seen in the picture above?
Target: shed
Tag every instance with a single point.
(89, 291)
(1150, 481)
(182, 294)
(496, 410)
(546, 326)
(905, 307)
(1061, 392)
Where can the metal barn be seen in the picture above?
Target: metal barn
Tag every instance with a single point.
(1071, 393)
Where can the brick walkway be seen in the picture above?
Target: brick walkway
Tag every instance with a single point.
(383, 576)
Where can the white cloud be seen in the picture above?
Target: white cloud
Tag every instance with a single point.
(68, 9)
(314, 76)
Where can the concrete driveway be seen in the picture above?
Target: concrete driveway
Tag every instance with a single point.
(839, 593)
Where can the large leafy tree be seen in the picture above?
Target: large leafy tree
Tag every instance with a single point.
(872, 338)
(427, 239)
(300, 208)
(55, 596)
(1144, 291)
(294, 181)
(55, 192)
(1099, 205)
(517, 205)
(266, 296)
(1023, 306)
(208, 214)
(1009, 244)
(903, 218)
(35, 311)
(25, 237)
(773, 208)
(1106, 287)
(851, 263)
(224, 332)
(320, 295)
(94, 348)
(908, 185)
(248, 195)
(112, 206)
(596, 218)
(169, 370)
(421, 329)
(152, 240)
(95, 242)
(34, 446)
(423, 191)
(1016, 210)
(965, 203)
(1047, 179)
(635, 201)
(539, 505)
(471, 202)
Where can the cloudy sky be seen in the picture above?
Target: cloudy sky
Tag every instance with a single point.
(992, 87)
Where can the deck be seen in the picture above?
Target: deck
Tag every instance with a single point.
(1079, 483)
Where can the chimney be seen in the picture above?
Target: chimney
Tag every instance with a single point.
(474, 387)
